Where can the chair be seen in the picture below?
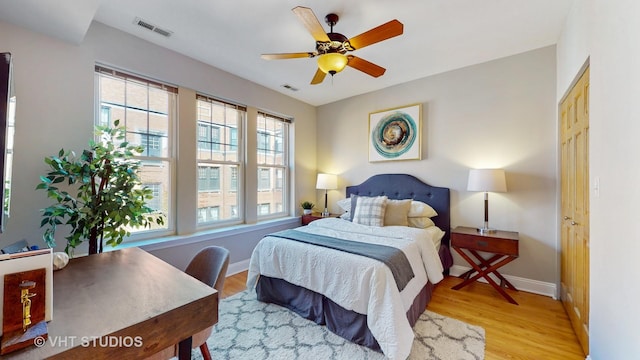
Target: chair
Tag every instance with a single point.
(209, 266)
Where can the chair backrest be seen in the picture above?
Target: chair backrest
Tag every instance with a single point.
(210, 266)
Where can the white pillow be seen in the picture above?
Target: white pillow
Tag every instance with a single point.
(420, 209)
(344, 204)
(422, 222)
(370, 210)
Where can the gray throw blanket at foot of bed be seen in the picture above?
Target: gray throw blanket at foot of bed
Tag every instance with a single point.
(394, 258)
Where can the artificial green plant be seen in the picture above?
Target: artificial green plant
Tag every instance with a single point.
(109, 196)
(307, 205)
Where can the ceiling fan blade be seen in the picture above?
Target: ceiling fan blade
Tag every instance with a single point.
(310, 21)
(365, 66)
(377, 34)
(318, 77)
(288, 56)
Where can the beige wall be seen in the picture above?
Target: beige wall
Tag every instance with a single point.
(497, 114)
(54, 82)
(607, 33)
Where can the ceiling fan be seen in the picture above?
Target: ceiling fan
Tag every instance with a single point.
(332, 48)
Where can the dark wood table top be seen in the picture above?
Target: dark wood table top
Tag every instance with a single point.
(123, 304)
(501, 234)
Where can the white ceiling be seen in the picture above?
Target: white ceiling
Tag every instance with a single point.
(439, 35)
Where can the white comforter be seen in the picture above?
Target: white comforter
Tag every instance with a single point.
(356, 283)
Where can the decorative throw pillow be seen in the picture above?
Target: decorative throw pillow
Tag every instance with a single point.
(370, 210)
(354, 202)
(396, 212)
(420, 209)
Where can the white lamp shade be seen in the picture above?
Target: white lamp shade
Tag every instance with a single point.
(492, 180)
(327, 182)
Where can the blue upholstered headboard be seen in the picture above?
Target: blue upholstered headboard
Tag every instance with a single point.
(404, 186)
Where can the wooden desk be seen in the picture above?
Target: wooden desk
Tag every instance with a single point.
(124, 304)
(502, 244)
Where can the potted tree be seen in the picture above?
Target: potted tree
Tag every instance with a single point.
(109, 196)
(307, 207)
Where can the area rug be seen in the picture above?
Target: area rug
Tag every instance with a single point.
(249, 329)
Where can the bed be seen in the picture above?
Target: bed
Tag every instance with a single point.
(356, 297)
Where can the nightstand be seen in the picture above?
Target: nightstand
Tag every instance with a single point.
(503, 245)
(306, 219)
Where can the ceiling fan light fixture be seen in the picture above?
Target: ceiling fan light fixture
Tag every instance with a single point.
(332, 63)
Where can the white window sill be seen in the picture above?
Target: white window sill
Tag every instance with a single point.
(205, 235)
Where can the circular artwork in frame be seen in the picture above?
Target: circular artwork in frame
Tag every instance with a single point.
(394, 134)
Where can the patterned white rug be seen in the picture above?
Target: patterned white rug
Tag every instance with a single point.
(249, 329)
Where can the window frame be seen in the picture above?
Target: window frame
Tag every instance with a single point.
(238, 164)
(284, 148)
(232, 138)
(170, 158)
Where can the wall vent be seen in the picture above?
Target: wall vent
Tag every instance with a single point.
(289, 87)
(149, 26)
(162, 32)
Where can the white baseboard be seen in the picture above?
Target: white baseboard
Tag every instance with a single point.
(528, 285)
(238, 267)
(523, 284)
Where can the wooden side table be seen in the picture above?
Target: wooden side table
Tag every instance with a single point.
(306, 219)
(503, 245)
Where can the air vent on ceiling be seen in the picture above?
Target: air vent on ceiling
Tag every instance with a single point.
(162, 32)
(289, 87)
(149, 26)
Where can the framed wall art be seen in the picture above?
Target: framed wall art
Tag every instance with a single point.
(394, 134)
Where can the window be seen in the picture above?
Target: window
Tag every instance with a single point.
(234, 179)
(264, 179)
(156, 190)
(147, 110)
(208, 178)
(209, 213)
(208, 137)
(152, 144)
(273, 163)
(279, 179)
(204, 134)
(234, 139)
(219, 160)
(264, 209)
(263, 142)
(105, 115)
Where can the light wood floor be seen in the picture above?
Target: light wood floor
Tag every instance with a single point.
(538, 328)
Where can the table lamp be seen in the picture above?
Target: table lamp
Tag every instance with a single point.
(487, 180)
(326, 182)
